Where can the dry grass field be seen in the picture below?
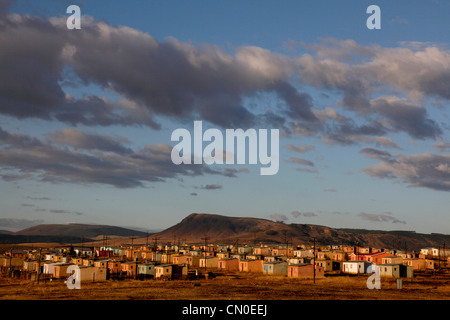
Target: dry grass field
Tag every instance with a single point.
(234, 286)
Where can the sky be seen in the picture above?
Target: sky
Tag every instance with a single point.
(86, 115)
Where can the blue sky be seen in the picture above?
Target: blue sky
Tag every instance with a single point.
(364, 113)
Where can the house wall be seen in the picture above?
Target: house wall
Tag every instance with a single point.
(114, 267)
(416, 264)
(306, 271)
(210, 262)
(228, 265)
(60, 271)
(92, 274)
(251, 265)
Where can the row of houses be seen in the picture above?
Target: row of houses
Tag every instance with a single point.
(168, 261)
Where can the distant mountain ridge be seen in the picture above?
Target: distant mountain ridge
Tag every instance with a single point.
(217, 228)
(68, 233)
(78, 230)
(231, 230)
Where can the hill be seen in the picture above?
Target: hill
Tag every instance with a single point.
(67, 233)
(78, 230)
(218, 228)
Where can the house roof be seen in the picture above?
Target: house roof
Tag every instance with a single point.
(299, 265)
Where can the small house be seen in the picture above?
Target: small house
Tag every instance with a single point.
(396, 270)
(114, 266)
(355, 267)
(339, 256)
(416, 264)
(88, 273)
(146, 270)
(101, 263)
(254, 257)
(60, 270)
(170, 271)
(250, 265)
(328, 265)
(229, 264)
(275, 267)
(298, 260)
(245, 250)
(129, 268)
(392, 260)
(223, 255)
(305, 270)
(209, 262)
(265, 251)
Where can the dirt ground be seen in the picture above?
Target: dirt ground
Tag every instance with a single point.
(234, 286)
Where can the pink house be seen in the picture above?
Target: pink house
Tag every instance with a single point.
(250, 265)
(304, 271)
(230, 264)
(376, 258)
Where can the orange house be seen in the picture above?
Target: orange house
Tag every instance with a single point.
(230, 264)
(339, 256)
(129, 268)
(114, 266)
(283, 252)
(189, 260)
(417, 264)
(250, 265)
(376, 258)
(265, 251)
(304, 271)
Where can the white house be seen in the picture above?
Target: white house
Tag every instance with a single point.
(356, 267)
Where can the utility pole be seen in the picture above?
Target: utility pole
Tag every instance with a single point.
(206, 238)
(132, 254)
(10, 263)
(314, 260)
(39, 265)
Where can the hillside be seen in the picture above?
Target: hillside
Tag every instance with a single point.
(67, 233)
(229, 230)
(217, 228)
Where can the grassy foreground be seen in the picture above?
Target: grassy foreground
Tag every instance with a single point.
(235, 286)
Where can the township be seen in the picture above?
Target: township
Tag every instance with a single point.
(192, 261)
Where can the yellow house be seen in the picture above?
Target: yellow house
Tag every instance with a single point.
(129, 268)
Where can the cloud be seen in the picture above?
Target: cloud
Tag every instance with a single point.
(426, 170)
(278, 217)
(330, 190)
(301, 161)
(170, 78)
(300, 149)
(211, 187)
(38, 198)
(442, 146)
(90, 141)
(183, 80)
(309, 214)
(307, 170)
(45, 161)
(65, 211)
(377, 154)
(297, 214)
(386, 217)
